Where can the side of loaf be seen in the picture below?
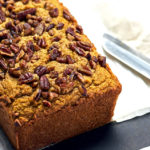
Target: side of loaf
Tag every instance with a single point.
(53, 83)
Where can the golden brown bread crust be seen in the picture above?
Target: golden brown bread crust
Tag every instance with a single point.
(54, 125)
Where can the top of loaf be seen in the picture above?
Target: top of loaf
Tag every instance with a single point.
(46, 62)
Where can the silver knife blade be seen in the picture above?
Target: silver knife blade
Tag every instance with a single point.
(127, 55)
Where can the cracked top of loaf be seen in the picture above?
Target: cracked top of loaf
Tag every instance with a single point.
(46, 61)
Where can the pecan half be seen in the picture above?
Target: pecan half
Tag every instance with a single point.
(14, 48)
(67, 15)
(51, 26)
(54, 12)
(3, 65)
(54, 54)
(38, 95)
(102, 61)
(70, 31)
(47, 103)
(69, 60)
(61, 59)
(79, 29)
(5, 51)
(22, 14)
(26, 78)
(44, 83)
(56, 39)
(27, 29)
(84, 45)
(40, 70)
(80, 77)
(60, 26)
(85, 71)
(15, 72)
(2, 15)
(78, 50)
(39, 29)
(42, 43)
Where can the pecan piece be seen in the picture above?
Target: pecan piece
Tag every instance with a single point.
(10, 26)
(60, 26)
(61, 59)
(54, 12)
(15, 72)
(40, 70)
(84, 45)
(38, 95)
(52, 95)
(88, 56)
(14, 48)
(78, 50)
(56, 39)
(80, 78)
(62, 80)
(51, 26)
(92, 64)
(47, 103)
(5, 51)
(53, 74)
(45, 95)
(67, 71)
(27, 29)
(79, 29)
(11, 63)
(2, 15)
(22, 14)
(39, 29)
(2, 75)
(69, 60)
(85, 71)
(3, 34)
(83, 90)
(70, 31)
(26, 78)
(66, 87)
(3, 65)
(102, 61)
(67, 15)
(44, 83)
(54, 54)
(42, 43)
(20, 55)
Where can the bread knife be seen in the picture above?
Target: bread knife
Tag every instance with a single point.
(127, 55)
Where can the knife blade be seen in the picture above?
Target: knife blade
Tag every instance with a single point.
(127, 55)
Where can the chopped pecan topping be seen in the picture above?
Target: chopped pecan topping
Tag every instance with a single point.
(52, 95)
(14, 48)
(27, 29)
(84, 45)
(67, 15)
(102, 61)
(60, 26)
(17, 123)
(38, 95)
(85, 70)
(22, 14)
(39, 29)
(2, 75)
(3, 65)
(79, 29)
(26, 78)
(51, 26)
(54, 54)
(54, 12)
(2, 15)
(83, 90)
(44, 83)
(69, 60)
(15, 72)
(40, 70)
(5, 51)
(78, 50)
(54, 74)
(47, 103)
(42, 43)
(61, 59)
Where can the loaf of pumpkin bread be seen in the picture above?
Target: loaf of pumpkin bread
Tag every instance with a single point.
(53, 83)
